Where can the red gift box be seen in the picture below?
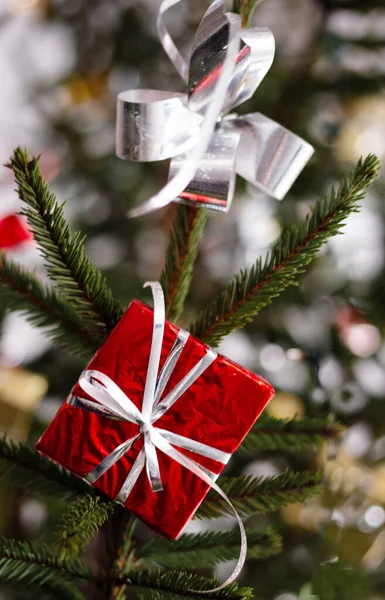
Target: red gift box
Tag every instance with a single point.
(218, 410)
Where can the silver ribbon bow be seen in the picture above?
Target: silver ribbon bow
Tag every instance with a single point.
(208, 147)
(112, 402)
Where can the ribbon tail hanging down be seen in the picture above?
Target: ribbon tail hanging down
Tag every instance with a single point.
(165, 447)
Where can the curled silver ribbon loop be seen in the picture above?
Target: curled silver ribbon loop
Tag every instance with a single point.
(167, 42)
(269, 156)
(186, 173)
(109, 400)
(154, 125)
(227, 65)
(254, 59)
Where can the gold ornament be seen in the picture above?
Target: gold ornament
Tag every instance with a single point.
(364, 128)
(82, 89)
(20, 394)
(286, 406)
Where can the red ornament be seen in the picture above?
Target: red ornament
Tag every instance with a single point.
(218, 410)
(13, 231)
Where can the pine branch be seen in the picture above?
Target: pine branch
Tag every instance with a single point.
(257, 495)
(33, 564)
(79, 524)
(181, 255)
(35, 588)
(338, 581)
(246, 9)
(194, 551)
(251, 291)
(289, 435)
(80, 281)
(37, 593)
(21, 291)
(27, 469)
(122, 530)
(175, 585)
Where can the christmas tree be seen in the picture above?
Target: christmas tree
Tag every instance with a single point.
(96, 549)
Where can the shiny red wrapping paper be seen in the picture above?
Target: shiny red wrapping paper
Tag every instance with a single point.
(218, 410)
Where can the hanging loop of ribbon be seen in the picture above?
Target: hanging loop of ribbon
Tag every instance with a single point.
(108, 400)
(208, 146)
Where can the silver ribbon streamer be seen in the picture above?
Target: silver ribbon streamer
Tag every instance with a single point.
(110, 401)
(207, 148)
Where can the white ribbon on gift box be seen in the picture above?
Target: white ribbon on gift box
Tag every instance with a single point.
(112, 402)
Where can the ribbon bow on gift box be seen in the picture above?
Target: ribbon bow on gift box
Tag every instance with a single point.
(112, 402)
(208, 147)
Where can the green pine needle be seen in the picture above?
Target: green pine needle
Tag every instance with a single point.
(271, 434)
(81, 283)
(257, 495)
(194, 551)
(175, 585)
(44, 307)
(246, 9)
(27, 469)
(79, 524)
(338, 581)
(181, 256)
(252, 290)
(31, 564)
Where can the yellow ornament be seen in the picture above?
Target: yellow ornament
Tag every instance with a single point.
(286, 406)
(82, 89)
(20, 394)
(364, 128)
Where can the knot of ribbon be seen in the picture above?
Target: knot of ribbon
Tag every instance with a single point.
(208, 146)
(108, 399)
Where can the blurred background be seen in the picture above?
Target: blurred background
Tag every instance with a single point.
(62, 63)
